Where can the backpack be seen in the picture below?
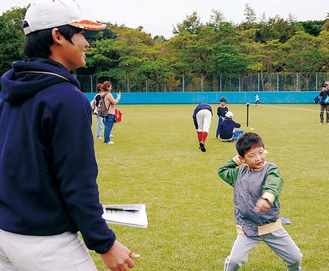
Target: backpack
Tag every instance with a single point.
(94, 103)
(102, 110)
(118, 115)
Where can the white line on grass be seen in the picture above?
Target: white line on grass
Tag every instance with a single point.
(289, 108)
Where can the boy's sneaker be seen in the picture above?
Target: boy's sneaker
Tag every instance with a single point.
(202, 148)
(110, 142)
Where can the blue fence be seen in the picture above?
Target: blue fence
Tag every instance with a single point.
(281, 97)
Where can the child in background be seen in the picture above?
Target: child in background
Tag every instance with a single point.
(221, 111)
(227, 127)
(257, 186)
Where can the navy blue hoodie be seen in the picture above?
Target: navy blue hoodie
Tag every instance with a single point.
(226, 128)
(48, 168)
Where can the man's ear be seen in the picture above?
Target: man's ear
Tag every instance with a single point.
(57, 37)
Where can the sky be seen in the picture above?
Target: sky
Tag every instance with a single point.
(158, 17)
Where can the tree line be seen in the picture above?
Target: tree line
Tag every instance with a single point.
(199, 56)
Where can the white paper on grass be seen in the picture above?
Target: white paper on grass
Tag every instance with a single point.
(138, 218)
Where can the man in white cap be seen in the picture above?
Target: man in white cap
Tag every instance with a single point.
(48, 170)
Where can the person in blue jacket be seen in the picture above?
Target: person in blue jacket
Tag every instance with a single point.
(221, 111)
(227, 127)
(202, 116)
(48, 169)
(323, 105)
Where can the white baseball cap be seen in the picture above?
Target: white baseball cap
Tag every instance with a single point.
(229, 115)
(44, 14)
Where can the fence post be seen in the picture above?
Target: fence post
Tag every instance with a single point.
(248, 104)
(91, 83)
(297, 86)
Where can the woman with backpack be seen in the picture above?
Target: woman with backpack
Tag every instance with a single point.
(110, 103)
(94, 105)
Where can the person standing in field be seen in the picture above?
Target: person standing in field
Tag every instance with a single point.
(221, 111)
(110, 103)
(257, 185)
(202, 116)
(316, 99)
(94, 105)
(48, 169)
(323, 105)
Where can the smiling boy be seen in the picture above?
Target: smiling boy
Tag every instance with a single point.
(257, 185)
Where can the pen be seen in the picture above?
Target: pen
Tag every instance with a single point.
(119, 209)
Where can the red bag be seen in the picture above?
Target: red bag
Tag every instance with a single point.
(118, 115)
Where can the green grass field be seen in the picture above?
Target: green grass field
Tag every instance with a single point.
(155, 160)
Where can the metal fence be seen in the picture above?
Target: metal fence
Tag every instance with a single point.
(223, 82)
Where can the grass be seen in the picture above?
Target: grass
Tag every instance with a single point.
(155, 160)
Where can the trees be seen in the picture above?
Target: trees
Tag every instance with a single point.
(200, 56)
(191, 24)
(301, 54)
(11, 37)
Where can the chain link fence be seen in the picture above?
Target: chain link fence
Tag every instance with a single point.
(223, 82)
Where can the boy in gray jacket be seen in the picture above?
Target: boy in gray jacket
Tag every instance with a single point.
(257, 186)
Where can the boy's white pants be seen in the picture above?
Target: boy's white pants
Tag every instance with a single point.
(203, 118)
(42, 253)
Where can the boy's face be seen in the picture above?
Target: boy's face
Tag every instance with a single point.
(254, 158)
(222, 104)
(74, 53)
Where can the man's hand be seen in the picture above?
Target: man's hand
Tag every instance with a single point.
(119, 258)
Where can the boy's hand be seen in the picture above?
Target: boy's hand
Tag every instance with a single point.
(262, 205)
(237, 160)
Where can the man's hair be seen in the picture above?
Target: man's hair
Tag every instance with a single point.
(37, 44)
(248, 141)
